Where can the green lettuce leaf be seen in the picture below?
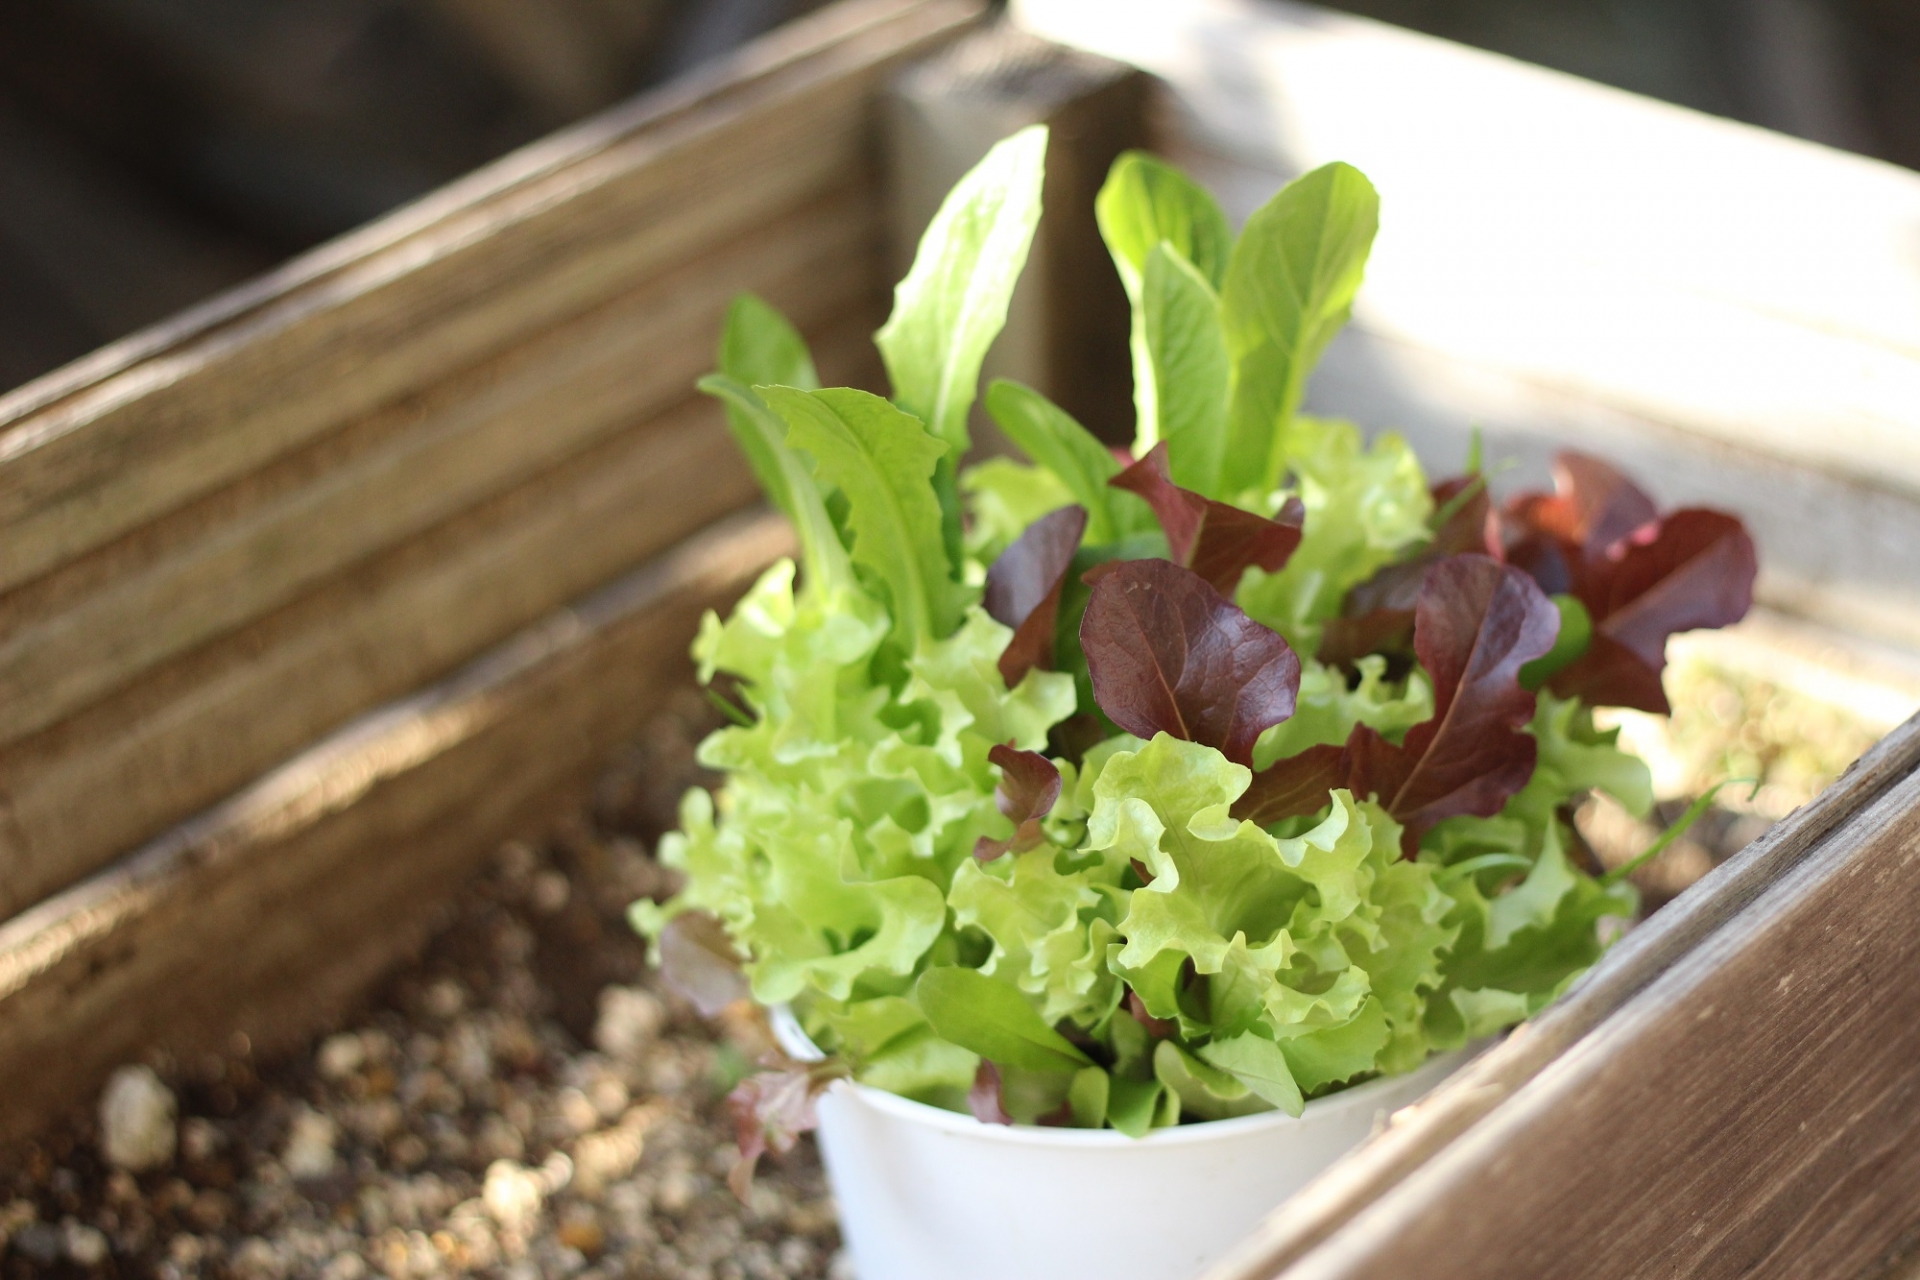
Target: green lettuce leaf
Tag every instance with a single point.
(1187, 352)
(1067, 451)
(1365, 508)
(882, 460)
(1005, 497)
(994, 1020)
(1326, 709)
(1288, 289)
(1146, 208)
(785, 478)
(953, 302)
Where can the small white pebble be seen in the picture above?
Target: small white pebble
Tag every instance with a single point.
(15, 1215)
(469, 1055)
(677, 1190)
(340, 1056)
(517, 861)
(513, 1195)
(137, 1120)
(609, 1096)
(550, 892)
(86, 1245)
(345, 1266)
(556, 1171)
(445, 998)
(255, 1257)
(309, 1151)
(577, 1110)
(630, 1020)
(200, 1138)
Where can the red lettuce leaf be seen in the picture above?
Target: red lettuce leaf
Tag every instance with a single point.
(1168, 653)
(1023, 589)
(1294, 786)
(698, 963)
(1476, 624)
(1216, 540)
(1593, 507)
(1463, 519)
(1641, 576)
(984, 1098)
(1377, 616)
(770, 1110)
(1029, 788)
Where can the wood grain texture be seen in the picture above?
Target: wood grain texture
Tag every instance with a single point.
(1754, 1111)
(469, 395)
(99, 622)
(195, 729)
(267, 912)
(1686, 925)
(93, 452)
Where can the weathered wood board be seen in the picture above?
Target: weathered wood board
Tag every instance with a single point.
(229, 536)
(270, 910)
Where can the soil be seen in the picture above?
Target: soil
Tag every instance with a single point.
(522, 1101)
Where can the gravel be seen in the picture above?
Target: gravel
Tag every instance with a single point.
(523, 1101)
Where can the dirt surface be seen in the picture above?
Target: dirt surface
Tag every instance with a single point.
(521, 1102)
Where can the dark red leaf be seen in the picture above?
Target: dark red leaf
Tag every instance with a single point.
(1168, 653)
(1023, 589)
(698, 963)
(1377, 616)
(1216, 540)
(770, 1110)
(984, 1098)
(1593, 505)
(1463, 517)
(1028, 789)
(1294, 786)
(1641, 576)
(1477, 624)
(1694, 569)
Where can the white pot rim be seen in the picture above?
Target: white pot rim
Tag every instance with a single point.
(1361, 1097)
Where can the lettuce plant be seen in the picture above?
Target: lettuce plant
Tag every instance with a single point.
(1107, 789)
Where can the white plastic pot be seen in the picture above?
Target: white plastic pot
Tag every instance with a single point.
(926, 1194)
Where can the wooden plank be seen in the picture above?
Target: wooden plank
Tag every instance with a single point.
(1649, 951)
(268, 912)
(196, 729)
(1752, 1112)
(1732, 314)
(98, 622)
(89, 454)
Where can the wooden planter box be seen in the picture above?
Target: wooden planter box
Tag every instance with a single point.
(311, 596)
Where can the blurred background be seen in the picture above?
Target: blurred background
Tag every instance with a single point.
(153, 152)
